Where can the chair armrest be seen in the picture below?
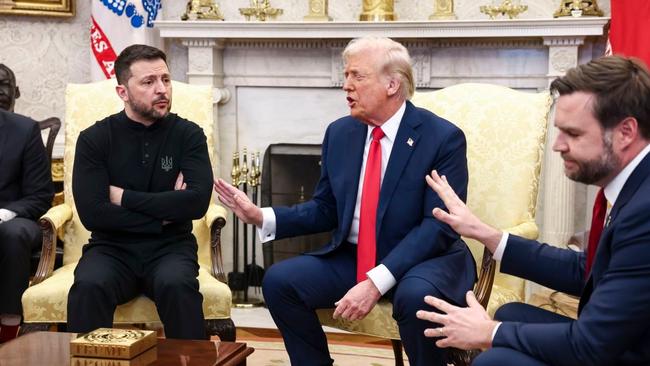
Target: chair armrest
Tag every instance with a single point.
(215, 218)
(53, 219)
(483, 288)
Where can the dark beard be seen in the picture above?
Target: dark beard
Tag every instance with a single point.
(149, 113)
(593, 171)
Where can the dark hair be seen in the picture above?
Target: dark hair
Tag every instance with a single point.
(10, 73)
(621, 86)
(132, 54)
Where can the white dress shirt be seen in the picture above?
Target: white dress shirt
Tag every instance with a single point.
(380, 275)
(612, 190)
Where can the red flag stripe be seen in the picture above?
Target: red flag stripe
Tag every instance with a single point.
(102, 49)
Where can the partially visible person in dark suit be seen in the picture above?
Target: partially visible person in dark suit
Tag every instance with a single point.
(26, 192)
(603, 117)
(373, 197)
(9, 91)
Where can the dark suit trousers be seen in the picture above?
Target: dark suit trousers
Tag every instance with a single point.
(18, 237)
(110, 274)
(294, 288)
(517, 312)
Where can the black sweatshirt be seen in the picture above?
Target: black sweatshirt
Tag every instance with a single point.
(145, 162)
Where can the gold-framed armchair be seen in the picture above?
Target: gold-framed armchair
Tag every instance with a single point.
(505, 131)
(45, 301)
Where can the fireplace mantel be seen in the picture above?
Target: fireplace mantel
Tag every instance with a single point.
(276, 82)
(516, 28)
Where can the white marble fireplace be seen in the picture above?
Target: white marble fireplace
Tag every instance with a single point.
(279, 82)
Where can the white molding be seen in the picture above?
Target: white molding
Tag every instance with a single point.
(510, 28)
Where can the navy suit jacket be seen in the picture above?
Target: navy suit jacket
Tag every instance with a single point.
(613, 326)
(25, 177)
(407, 233)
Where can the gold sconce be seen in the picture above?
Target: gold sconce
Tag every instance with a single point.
(261, 10)
(443, 10)
(377, 11)
(202, 9)
(578, 8)
(317, 11)
(505, 8)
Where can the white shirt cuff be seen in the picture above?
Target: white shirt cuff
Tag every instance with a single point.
(6, 215)
(498, 253)
(267, 231)
(382, 278)
(494, 332)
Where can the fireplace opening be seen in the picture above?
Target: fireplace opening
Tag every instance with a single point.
(290, 173)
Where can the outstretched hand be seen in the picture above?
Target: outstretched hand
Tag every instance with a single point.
(238, 202)
(460, 217)
(464, 328)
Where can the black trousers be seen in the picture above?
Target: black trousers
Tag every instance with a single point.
(110, 274)
(18, 237)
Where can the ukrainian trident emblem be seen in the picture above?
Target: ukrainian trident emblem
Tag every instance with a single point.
(166, 163)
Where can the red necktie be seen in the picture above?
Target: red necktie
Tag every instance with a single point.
(597, 224)
(367, 245)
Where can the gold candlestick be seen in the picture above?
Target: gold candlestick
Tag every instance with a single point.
(443, 10)
(377, 11)
(578, 8)
(317, 11)
(202, 9)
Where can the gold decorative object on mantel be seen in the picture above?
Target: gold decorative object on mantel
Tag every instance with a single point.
(578, 8)
(443, 10)
(6, 4)
(377, 11)
(317, 11)
(202, 9)
(505, 8)
(261, 10)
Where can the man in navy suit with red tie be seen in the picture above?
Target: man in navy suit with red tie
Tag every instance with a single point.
(603, 117)
(373, 197)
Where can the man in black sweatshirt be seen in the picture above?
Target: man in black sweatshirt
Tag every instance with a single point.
(140, 177)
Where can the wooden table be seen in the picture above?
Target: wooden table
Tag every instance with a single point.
(53, 349)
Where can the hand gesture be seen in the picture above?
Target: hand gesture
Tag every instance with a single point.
(464, 328)
(238, 202)
(180, 184)
(358, 301)
(459, 217)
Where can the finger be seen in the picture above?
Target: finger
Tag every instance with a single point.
(472, 302)
(433, 333)
(226, 202)
(443, 343)
(442, 215)
(430, 316)
(339, 309)
(439, 304)
(179, 181)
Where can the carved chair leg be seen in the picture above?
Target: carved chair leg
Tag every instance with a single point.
(397, 350)
(33, 327)
(224, 328)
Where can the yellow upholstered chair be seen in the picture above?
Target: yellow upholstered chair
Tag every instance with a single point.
(45, 301)
(505, 131)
